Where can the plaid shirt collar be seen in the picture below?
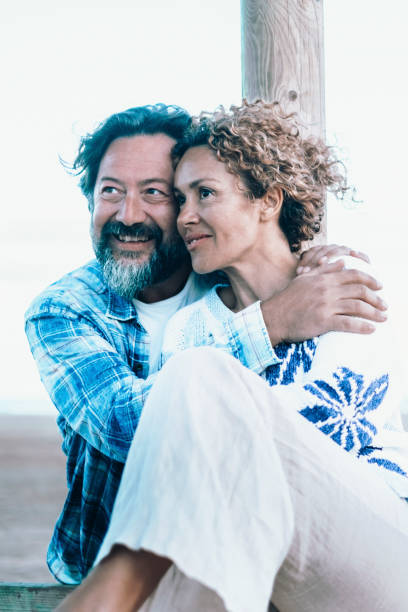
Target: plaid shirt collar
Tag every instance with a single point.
(120, 308)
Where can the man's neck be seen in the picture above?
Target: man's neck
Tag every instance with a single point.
(168, 288)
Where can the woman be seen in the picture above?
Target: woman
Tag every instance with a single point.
(291, 484)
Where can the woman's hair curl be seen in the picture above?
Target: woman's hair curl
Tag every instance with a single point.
(264, 147)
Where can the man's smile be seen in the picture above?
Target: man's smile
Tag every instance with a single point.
(125, 238)
(129, 243)
(136, 238)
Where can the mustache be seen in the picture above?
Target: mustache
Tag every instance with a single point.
(137, 231)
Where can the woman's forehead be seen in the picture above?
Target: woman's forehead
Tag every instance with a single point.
(199, 163)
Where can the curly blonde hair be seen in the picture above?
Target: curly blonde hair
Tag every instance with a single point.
(264, 147)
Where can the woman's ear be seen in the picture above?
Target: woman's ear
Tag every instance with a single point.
(271, 203)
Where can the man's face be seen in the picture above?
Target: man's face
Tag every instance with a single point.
(133, 224)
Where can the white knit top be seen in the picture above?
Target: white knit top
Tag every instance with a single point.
(343, 383)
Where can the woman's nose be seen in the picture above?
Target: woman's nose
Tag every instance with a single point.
(131, 210)
(188, 214)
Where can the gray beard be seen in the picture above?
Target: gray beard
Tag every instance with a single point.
(127, 277)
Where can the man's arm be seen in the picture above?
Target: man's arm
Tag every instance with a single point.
(313, 304)
(317, 257)
(89, 382)
(323, 297)
(328, 298)
(101, 396)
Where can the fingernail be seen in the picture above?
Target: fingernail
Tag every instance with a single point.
(384, 304)
(299, 269)
(306, 269)
(323, 259)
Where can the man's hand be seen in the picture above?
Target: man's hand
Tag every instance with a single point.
(316, 303)
(318, 258)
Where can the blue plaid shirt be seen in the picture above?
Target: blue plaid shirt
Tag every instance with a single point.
(93, 358)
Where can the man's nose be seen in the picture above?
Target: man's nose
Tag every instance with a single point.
(131, 210)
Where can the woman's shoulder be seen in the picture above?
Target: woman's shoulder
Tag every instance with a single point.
(209, 304)
(183, 316)
(191, 325)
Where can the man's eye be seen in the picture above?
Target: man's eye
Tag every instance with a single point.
(111, 193)
(155, 191)
(109, 189)
(205, 192)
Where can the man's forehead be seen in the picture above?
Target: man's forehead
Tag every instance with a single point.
(146, 154)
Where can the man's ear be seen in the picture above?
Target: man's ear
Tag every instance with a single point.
(271, 203)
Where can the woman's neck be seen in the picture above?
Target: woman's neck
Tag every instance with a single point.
(262, 274)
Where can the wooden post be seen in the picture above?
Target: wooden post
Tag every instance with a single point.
(283, 60)
(282, 56)
(29, 597)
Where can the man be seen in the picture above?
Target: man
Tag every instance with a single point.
(96, 333)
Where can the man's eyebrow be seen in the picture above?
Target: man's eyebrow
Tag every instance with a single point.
(111, 178)
(142, 183)
(154, 180)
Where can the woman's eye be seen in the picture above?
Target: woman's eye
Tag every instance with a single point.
(180, 199)
(205, 192)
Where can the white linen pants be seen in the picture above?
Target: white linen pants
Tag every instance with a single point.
(251, 501)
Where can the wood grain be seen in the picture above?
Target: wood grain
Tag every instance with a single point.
(31, 597)
(283, 56)
(40, 597)
(283, 61)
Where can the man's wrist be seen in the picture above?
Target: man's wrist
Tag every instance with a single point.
(273, 322)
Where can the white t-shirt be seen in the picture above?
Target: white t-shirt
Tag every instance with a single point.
(154, 316)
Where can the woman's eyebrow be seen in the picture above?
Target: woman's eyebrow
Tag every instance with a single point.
(202, 180)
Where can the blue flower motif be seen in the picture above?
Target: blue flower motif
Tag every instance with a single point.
(341, 407)
(294, 357)
(367, 451)
(388, 465)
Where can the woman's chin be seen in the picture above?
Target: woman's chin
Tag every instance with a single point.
(202, 268)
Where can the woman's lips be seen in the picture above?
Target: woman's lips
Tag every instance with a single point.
(192, 242)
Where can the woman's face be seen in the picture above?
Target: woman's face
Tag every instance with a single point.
(217, 221)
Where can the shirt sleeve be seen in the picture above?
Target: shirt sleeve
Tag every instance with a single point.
(249, 339)
(89, 382)
(243, 335)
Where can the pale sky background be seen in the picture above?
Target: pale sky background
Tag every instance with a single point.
(67, 66)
